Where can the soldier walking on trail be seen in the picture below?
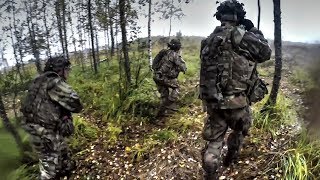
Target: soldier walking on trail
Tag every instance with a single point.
(47, 118)
(229, 82)
(166, 66)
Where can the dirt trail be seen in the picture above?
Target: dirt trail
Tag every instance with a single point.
(135, 156)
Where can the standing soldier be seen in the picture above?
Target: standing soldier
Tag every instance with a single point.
(47, 118)
(229, 82)
(166, 66)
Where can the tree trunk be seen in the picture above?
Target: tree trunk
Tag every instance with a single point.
(8, 125)
(106, 28)
(15, 54)
(18, 38)
(122, 13)
(149, 34)
(92, 38)
(33, 41)
(171, 14)
(58, 15)
(81, 40)
(111, 30)
(4, 60)
(72, 36)
(48, 53)
(65, 28)
(97, 47)
(259, 13)
(278, 53)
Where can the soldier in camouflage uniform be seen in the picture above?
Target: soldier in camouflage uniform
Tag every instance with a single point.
(228, 59)
(47, 118)
(166, 66)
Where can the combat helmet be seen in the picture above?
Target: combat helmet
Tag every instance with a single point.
(230, 10)
(57, 64)
(174, 44)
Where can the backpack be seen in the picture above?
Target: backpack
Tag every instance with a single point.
(225, 69)
(158, 60)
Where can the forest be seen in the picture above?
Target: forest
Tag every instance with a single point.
(114, 135)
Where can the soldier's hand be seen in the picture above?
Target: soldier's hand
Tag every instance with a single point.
(247, 24)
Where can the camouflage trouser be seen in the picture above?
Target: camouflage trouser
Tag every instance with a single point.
(169, 91)
(215, 128)
(54, 156)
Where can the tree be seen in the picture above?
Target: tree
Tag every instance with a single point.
(45, 3)
(278, 53)
(3, 62)
(92, 37)
(259, 13)
(111, 13)
(102, 16)
(9, 126)
(15, 29)
(74, 40)
(80, 26)
(149, 33)
(123, 20)
(60, 10)
(35, 40)
(170, 11)
(179, 35)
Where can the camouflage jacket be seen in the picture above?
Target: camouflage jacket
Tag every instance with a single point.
(227, 62)
(49, 98)
(169, 64)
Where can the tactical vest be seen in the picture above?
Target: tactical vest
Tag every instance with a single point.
(225, 72)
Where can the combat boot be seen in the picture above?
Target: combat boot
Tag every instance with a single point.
(232, 156)
(211, 176)
(171, 107)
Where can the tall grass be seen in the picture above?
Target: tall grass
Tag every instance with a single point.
(281, 114)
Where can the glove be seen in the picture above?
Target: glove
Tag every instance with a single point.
(66, 127)
(247, 24)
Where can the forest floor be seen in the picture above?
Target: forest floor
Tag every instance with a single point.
(172, 150)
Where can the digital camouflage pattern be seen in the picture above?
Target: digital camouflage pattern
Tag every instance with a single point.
(167, 65)
(48, 102)
(228, 58)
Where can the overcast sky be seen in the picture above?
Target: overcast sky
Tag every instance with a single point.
(299, 19)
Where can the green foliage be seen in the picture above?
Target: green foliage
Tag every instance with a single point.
(113, 132)
(271, 119)
(302, 78)
(182, 124)
(24, 172)
(84, 133)
(303, 160)
(140, 151)
(11, 81)
(165, 135)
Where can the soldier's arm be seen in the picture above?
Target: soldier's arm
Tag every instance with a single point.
(64, 95)
(202, 68)
(254, 42)
(181, 64)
